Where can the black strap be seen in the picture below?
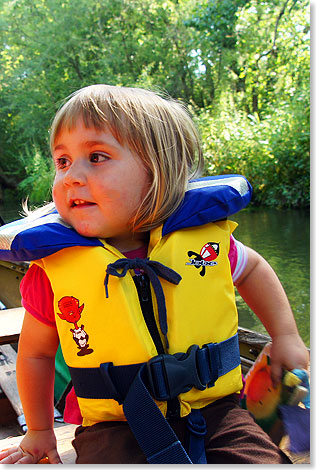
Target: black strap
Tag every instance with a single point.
(152, 431)
(196, 431)
(167, 375)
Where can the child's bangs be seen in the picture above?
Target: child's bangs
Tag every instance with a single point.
(91, 114)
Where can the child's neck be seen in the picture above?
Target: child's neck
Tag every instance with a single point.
(138, 240)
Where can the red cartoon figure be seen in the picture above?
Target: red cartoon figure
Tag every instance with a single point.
(210, 251)
(71, 312)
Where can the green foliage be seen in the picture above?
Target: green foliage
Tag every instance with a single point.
(273, 153)
(39, 176)
(242, 65)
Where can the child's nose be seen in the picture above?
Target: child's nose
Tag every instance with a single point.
(75, 174)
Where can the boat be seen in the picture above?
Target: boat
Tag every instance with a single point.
(251, 344)
(11, 275)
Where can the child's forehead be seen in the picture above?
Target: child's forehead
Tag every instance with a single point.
(68, 125)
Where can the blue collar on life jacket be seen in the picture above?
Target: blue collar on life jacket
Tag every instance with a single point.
(206, 200)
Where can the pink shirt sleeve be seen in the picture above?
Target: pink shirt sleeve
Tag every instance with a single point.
(238, 258)
(232, 255)
(37, 295)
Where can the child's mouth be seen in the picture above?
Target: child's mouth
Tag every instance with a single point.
(81, 203)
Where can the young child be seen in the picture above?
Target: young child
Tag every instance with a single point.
(141, 284)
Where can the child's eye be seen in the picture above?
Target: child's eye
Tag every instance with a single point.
(98, 157)
(61, 163)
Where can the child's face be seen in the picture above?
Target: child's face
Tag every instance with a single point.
(99, 184)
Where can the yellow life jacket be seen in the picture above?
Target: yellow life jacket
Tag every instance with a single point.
(94, 329)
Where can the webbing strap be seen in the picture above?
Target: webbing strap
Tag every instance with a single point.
(152, 431)
(108, 381)
(225, 356)
(196, 425)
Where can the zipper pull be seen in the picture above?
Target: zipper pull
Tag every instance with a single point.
(143, 288)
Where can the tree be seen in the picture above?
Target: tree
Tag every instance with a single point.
(242, 65)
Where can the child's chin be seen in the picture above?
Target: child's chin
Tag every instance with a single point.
(86, 232)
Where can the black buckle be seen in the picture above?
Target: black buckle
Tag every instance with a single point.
(169, 375)
(214, 362)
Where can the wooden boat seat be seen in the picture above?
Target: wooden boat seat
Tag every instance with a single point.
(11, 275)
(10, 328)
(8, 377)
(10, 325)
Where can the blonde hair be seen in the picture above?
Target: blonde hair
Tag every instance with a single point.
(158, 130)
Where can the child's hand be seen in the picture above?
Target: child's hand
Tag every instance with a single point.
(289, 352)
(33, 447)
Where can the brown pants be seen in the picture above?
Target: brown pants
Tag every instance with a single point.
(232, 438)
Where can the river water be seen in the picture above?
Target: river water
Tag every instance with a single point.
(283, 239)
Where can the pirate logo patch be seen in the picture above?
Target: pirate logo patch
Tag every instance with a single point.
(209, 252)
(71, 312)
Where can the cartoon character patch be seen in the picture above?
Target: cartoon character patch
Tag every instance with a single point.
(71, 312)
(209, 252)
